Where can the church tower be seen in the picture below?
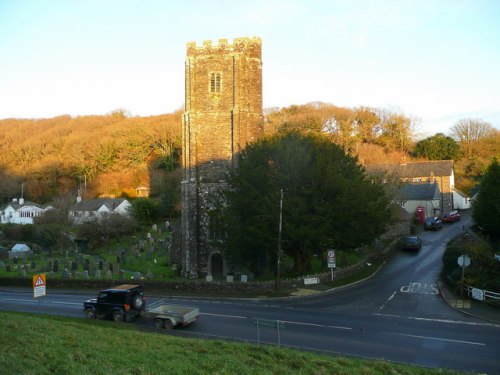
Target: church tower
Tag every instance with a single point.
(223, 113)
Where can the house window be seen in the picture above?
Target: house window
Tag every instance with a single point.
(214, 82)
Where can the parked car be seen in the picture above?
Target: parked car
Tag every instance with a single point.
(410, 243)
(433, 223)
(451, 217)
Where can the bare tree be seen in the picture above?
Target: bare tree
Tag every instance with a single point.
(470, 133)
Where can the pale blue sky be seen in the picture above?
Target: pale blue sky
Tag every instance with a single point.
(436, 60)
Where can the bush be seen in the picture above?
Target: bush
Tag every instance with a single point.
(144, 210)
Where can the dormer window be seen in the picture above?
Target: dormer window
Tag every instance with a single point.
(214, 82)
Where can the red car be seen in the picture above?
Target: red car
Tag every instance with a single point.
(451, 217)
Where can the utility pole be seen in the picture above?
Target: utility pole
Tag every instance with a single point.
(278, 255)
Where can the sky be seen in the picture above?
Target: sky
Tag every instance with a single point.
(437, 61)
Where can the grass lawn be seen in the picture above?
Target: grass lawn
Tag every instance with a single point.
(41, 344)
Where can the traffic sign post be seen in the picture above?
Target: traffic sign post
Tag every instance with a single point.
(332, 261)
(39, 285)
(463, 261)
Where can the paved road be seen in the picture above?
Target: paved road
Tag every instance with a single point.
(397, 315)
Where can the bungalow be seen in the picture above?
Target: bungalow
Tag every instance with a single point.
(89, 209)
(21, 212)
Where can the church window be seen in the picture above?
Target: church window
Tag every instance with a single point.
(214, 82)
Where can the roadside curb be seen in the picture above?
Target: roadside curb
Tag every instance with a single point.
(443, 295)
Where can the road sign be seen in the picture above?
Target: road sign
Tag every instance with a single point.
(332, 263)
(463, 261)
(311, 280)
(39, 285)
(478, 294)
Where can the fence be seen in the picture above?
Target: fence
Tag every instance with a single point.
(481, 295)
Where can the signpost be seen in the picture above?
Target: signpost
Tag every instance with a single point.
(39, 287)
(332, 261)
(463, 261)
(39, 284)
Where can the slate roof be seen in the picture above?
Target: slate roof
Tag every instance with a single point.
(16, 206)
(95, 204)
(418, 192)
(411, 170)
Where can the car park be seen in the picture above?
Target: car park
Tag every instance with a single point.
(433, 223)
(410, 243)
(451, 217)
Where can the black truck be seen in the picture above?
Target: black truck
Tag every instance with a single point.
(121, 303)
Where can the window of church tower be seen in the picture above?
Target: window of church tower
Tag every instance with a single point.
(214, 82)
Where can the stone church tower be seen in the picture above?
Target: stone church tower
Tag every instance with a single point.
(223, 113)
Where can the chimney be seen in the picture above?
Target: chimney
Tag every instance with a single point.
(14, 200)
(78, 199)
(21, 201)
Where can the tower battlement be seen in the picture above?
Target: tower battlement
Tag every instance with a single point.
(250, 45)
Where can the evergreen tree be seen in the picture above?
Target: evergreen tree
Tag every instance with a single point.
(438, 147)
(486, 210)
(327, 202)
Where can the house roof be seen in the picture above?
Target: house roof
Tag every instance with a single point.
(95, 204)
(16, 206)
(20, 247)
(417, 169)
(418, 192)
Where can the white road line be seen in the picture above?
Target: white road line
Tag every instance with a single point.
(440, 320)
(225, 316)
(284, 321)
(44, 302)
(388, 300)
(437, 338)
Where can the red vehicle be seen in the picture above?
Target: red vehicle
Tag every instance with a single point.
(451, 217)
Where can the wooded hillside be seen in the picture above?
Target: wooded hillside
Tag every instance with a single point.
(111, 155)
(114, 154)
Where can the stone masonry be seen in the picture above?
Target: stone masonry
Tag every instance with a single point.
(223, 113)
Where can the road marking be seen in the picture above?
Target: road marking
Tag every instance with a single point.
(226, 316)
(422, 288)
(42, 301)
(436, 338)
(440, 320)
(284, 321)
(388, 300)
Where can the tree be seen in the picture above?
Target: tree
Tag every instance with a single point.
(438, 147)
(471, 133)
(144, 210)
(327, 201)
(486, 210)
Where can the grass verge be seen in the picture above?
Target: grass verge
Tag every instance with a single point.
(40, 344)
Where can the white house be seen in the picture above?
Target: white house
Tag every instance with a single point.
(461, 200)
(89, 209)
(410, 196)
(21, 212)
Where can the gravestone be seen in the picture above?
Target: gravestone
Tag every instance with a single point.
(98, 275)
(65, 274)
(244, 278)
(23, 272)
(56, 266)
(209, 278)
(121, 274)
(108, 274)
(229, 278)
(154, 228)
(137, 275)
(85, 274)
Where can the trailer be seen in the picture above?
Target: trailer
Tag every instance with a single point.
(169, 316)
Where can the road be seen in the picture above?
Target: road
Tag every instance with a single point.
(397, 315)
